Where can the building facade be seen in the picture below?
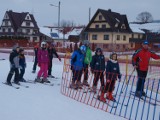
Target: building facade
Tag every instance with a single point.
(20, 26)
(110, 31)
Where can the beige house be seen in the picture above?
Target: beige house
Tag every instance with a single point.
(110, 31)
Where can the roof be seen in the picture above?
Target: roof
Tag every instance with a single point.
(152, 27)
(112, 18)
(18, 18)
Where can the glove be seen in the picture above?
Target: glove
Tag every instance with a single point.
(59, 59)
(39, 64)
(13, 66)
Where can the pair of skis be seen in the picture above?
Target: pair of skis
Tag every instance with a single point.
(16, 86)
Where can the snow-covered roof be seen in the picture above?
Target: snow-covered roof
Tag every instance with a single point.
(152, 27)
(48, 31)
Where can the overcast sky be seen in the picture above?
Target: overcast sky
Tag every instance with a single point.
(78, 10)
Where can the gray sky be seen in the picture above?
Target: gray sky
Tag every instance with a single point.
(78, 10)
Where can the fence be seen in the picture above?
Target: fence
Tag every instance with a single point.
(127, 105)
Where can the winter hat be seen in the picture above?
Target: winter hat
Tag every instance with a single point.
(98, 50)
(145, 42)
(15, 47)
(21, 49)
(85, 42)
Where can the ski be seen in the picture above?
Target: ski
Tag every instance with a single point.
(21, 85)
(11, 85)
(142, 99)
(147, 97)
(107, 102)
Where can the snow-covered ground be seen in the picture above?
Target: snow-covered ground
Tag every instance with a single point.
(42, 102)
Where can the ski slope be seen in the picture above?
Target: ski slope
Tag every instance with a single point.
(42, 102)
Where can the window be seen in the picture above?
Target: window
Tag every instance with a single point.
(4, 30)
(118, 37)
(132, 35)
(27, 17)
(27, 30)
(124, 37)
(34, 38)
(97, 26)
(9, 30)
(6, 23)
(139, 36)
(103, 26)
(106, 37)
(100, 17)
(94, 37)
(27, 23)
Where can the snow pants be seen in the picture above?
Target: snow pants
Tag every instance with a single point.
(43, 70)
(141, 80)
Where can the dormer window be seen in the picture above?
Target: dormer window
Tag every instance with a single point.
(123, 26)
(100, 17)
(27, 17)
(97, 26)
(116, 25)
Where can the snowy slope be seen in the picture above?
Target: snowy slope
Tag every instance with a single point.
(42, 102)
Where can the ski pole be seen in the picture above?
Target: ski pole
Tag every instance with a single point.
(127, 81)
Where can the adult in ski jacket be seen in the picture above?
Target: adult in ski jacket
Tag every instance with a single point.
(36, 47)
(140, 61)
(51, 52)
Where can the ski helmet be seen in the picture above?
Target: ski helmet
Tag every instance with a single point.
(83, 48)
(43, 43)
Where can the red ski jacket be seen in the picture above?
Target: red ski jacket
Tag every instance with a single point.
(143, 57)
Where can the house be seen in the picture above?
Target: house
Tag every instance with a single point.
(109, 31)
(19, 26)
(151, 33)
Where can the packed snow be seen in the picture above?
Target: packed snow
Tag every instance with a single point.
(42, 102)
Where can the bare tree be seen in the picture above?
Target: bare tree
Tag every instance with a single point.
(144, 17)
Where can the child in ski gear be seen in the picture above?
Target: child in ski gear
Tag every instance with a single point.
(51, 51)
(14, 65)
(87, 61)
(43, 60)
(144, 55)
(77, 60)
(98, 68)
(22, 65)
(35, 57)
(112, 73)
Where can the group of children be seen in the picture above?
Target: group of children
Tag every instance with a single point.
(43, 57)
(97, 67)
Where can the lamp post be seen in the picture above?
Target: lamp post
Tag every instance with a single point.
(58, 14)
